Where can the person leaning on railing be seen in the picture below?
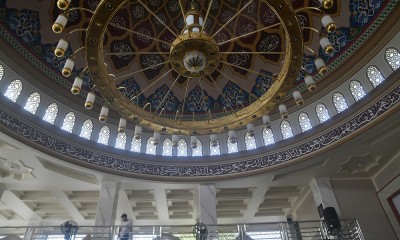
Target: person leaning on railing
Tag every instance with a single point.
(125, 230)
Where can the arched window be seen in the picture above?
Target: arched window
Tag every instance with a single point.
(322, 112)
(374, 75)
(214, 150)
(232, 147)
(340, 102)
(104, 135)
(51, 113)
(1, 72)
(86, 130)
(357, 90)
(69, 122)
(392, 56)
(304, 121)
(32, 103)
(250, 141)
(286, 129)
(150, 147)
(120, 141)
(182, 148)
(268, 136)
(136, 145)
(167, 147)
(13, 90)
(198, 151)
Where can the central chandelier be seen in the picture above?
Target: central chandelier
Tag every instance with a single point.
(195, 55)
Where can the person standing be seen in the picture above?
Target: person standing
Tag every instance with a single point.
(125, 229)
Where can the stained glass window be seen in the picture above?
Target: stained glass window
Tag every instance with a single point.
(286, 129)
(198, 151)
(304, 121)
(322, 112)
(1, 72)
(374, 75)
(86, 130)
(232, 147)
(250, 141)
(69, 122)
(13, 90)
(150, 147)
(51, 113)
(136, 145)
(182, 148)
(120, 141)
(167, 147)
(32, 103)
(214, 150)
(340, 102)
(392, 56)
(357, 90)
(104, 135)
(268, 136)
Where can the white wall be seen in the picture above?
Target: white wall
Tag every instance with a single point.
(358, 199)
(307, 211)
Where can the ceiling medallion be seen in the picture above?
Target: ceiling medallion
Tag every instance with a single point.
(196, 55)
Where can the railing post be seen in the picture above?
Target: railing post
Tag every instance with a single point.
(28, 233)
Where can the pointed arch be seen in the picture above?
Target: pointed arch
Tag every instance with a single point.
(322, 112)
(357, 90)
(69, 122)
(268, 136)
(392, 57)
(198, 151)
(286, 129)
(86, 130)
(150, 147)
(51, 113)
(13, 90)
(304, 121)
(182, 148)
(250, 141)
(32, 103)
(215, 150)
(136, 145)
(374, 75)
(167, 147)
(232, 147)
(339, 101)
(104, 135)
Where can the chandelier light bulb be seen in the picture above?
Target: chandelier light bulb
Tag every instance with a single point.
(283, 111)
(76, 86)
(103, 114)
(319, 63)
(213, 140)
(60, 23)
(326, 3)
(193, 141)
(122, 125)
(90, 100)
(61, 47)
(63, 4)
(250, 130)
(68, 67)
(138, 132)
(175, 139)
(267, 121)
(298, 98)
(232, 136)
(310, 83)
(326, 45)
(156, 138)
(328, 23)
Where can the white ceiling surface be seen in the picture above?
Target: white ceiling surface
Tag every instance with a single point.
(52, 191)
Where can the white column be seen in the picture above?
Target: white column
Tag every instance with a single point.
(208, 208)
(107, 206)
(323, 194)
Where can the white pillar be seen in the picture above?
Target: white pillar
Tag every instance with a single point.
(107, 206)
(323, 194)
(208, 209)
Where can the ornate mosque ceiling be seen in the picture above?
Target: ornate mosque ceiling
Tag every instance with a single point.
(28, 25)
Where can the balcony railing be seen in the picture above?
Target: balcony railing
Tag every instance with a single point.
(303, 230)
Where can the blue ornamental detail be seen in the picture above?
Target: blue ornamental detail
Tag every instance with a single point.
(170, 103)
(233, 96)
(263, 83)
(198, 101)
(131, 88)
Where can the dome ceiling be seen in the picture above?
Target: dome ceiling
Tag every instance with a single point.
(228, 89)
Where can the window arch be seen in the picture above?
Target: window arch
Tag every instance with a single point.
(304, 121)
(340, 102)
(51, 113)
(374, 75)
(136, 145)
(357, 90)
(232, 147)
(86, 130)
(182, 148)
(250, 141)
(268, 136)
(392, 56)
(215, 150)
(286, 129)
(13, 90)
(1, 72)
(167, 147)
(69, 122)
(322, 112)
(150, 147)
(104, 135)
(120, 140)
(32, 103)
(198, 151)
